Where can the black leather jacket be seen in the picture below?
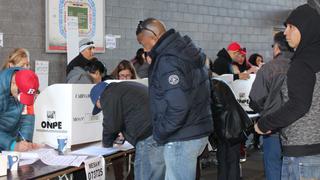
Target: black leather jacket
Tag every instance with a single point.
(229, 118)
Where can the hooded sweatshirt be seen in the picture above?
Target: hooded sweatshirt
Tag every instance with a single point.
(179, 90)
(299, 116)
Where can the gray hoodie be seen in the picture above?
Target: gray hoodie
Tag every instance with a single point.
(79, 76)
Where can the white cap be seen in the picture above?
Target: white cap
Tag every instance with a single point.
(85, 43)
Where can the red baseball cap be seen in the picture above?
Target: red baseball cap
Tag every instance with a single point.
(28, 83)
(234, 46)
(243, 51)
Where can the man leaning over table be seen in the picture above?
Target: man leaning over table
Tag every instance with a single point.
(125, 108)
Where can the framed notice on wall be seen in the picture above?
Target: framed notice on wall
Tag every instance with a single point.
(90, 15)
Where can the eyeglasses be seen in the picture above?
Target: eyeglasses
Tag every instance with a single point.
(141, 27)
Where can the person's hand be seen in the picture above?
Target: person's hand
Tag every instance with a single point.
(256, 128)
(37, 146)
(253, 69)
(119, 139)
(23, 146)
(260, 65)
(244, 76)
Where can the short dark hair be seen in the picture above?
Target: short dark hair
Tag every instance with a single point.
(96, 65)
(143, 25)
(280, 39)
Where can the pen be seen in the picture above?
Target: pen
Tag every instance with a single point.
(21, 136)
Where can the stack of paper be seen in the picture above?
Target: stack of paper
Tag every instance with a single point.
(50, 157)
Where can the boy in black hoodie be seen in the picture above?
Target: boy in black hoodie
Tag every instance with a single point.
(299, 115)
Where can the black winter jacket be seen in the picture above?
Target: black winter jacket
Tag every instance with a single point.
(223, 64)
(125, 107)
(179, 90)
(80, 60)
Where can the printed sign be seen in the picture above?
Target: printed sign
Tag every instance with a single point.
(111, 42)
(95, 168)
(91, 23)
(42, 70)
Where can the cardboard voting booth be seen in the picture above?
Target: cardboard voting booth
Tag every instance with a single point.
(241, 89)
(65, 110)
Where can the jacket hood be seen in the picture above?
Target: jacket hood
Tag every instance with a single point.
(307, 20)
(172, 43)
(5, 84)
(76, 72)
(223, 53)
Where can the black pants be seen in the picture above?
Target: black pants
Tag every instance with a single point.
(228, 160)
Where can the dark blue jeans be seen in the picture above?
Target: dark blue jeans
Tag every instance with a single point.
(272, 156)
(297, 168)
(149, 160)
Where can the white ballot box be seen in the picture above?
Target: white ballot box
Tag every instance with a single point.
(64, 110)
(241, 89)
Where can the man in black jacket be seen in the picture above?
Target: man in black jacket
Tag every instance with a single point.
(125, 107)
(229, 122)
(86, 49)
(266, 97)
(179, 97)
(223, 64)
(299, 115)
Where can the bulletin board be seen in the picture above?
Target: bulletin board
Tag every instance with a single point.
(91, 22)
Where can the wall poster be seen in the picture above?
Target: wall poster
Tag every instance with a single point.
(90, 15)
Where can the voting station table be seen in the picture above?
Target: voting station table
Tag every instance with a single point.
(39, 170)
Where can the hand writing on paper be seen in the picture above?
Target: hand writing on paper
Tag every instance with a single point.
(26, 146)
(23, 146)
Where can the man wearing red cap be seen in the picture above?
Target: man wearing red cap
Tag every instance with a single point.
(17, 91)
(223, 64)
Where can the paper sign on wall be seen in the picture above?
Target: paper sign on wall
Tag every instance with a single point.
(1, 39)
(72, 38)
(111, 41)
(42, 70)
(95, 168)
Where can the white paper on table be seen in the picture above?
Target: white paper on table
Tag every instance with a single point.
(78, 161)
(52, 159)
(24, 162)
(34, 154)
(95, 151)
(124, 147)
(30, 157)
